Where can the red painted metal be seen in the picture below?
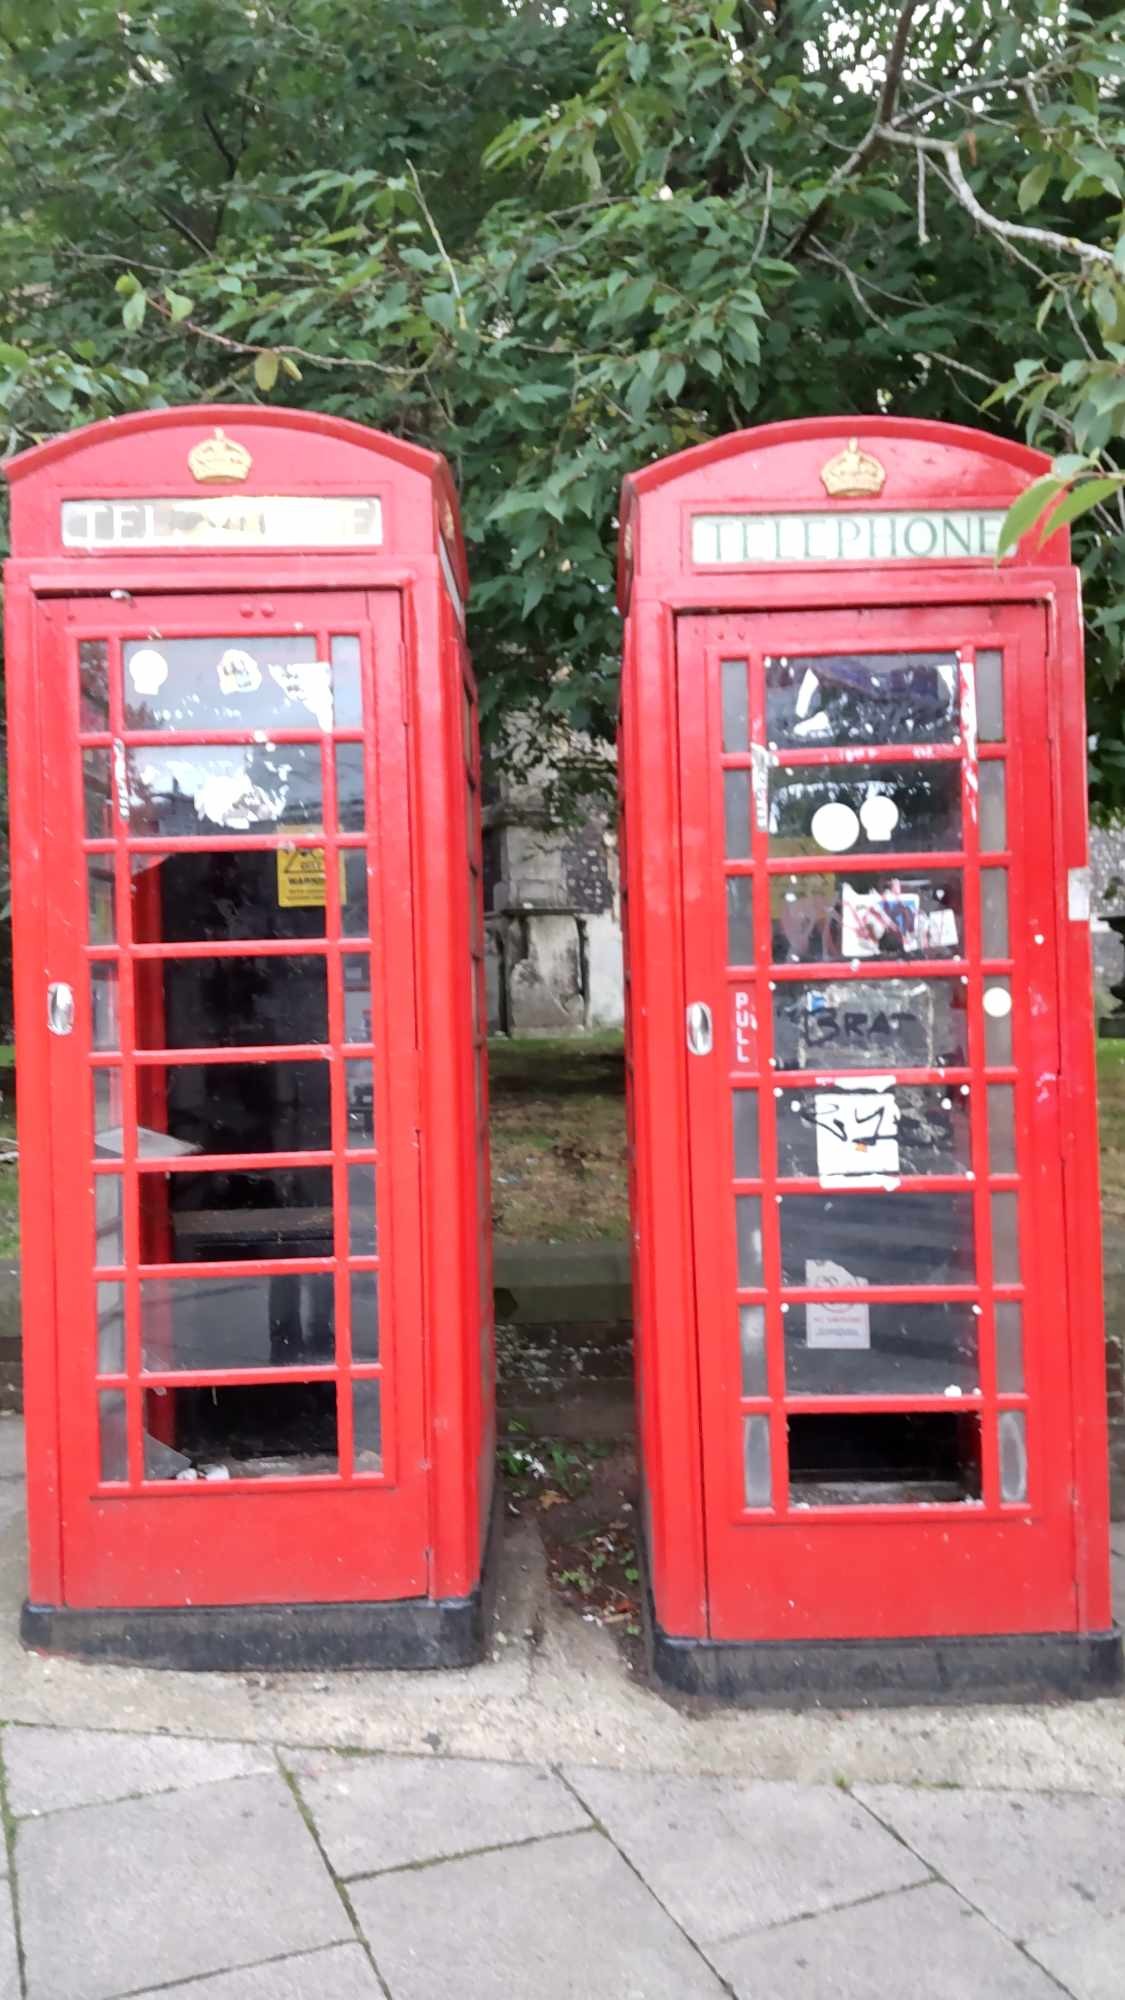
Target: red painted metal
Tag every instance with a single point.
(788, 1570)
(415, 1527)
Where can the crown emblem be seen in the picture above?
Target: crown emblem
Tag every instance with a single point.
(853, 474)
(219, 457)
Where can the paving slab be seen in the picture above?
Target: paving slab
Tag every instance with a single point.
(726, 1858)
(168, 1888)
(342, 1972)
(388, 1812)
(1032, 1863)
(923, 1942)
(561, 1919)
(1088, 1959)
(53, 1768)
(11, 1448)
(9, 1957)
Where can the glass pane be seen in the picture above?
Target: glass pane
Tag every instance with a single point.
(1009, 1347)
(748, 1227)
(93, 685)
(745, 1115)
(861, 809)
(862, 1349)
(736, 706)
(109, 1212)
(274, 1430)
(1005, 1239)
(849, 1240)
(752, 1343)
(112, 1447)
(756, 1460)
(237, 1322)
(107, 1113)
(359, 1085)
(993, 808)
(990, 696)
(861, 916)
(350, 798)
(199, 1003)
(736, 815)
(233, 1108)
(233, 683)
(229, 1217)
(255, 788)
(1001, 1128)
(347, 685)
(357, 997)
(367, 1426)
(994, 912)
(100, 899)
(847, 1135)
(1012, 1439)
(365, 1315)
(111, 1328)
(224, 897)
(362, 1231)
(863, 1461)
(103, 1005)
(870, 1024)
(740, 920)
(998, 1021)
(98, 794)
(862, 698)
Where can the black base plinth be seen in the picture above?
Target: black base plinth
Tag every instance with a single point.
(889, 1673)
(408, 1633)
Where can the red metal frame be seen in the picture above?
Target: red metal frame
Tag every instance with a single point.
(720, 1570)
(415, 1528)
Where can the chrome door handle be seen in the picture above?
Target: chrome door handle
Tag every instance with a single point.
(60, 1007)
(699, 1028)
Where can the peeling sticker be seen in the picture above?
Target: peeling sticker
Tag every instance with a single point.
(1078, 895)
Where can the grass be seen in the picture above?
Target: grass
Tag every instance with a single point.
(558, 1139)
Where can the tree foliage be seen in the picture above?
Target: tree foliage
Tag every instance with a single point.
(556, 242)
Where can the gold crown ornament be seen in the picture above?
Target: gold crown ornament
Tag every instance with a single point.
(219, 457)
(853, 474)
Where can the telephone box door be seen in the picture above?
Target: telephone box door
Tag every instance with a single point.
(233, 1090)
(872, 1047)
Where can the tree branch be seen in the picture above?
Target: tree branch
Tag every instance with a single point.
(1021, 232)
(872, 138)
(441, 249)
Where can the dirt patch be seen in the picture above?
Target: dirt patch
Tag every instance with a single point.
(583, 1498)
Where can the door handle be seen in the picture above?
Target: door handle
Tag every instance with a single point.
(60, 1007)
(699, 1028)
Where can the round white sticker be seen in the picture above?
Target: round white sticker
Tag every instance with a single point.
(879, 815)
(997, 1002)
(148, 670)
(835, 827)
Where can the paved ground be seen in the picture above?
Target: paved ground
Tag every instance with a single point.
(536, 1828)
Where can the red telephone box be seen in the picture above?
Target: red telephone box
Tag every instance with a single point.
(862, 1089)
(250, 1021)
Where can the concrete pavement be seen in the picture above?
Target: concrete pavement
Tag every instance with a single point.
(540, 1826)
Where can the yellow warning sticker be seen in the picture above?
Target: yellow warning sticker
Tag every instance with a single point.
(300, 878)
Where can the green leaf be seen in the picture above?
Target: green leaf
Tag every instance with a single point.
(290, 368)
(265, 370)
(133, 311)
(179, 305)
(1078, 502)
(1025, 510)
(1034, 185)
(127, 284)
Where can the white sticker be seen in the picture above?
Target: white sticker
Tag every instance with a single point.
(309, 683)
(234, 800)
(148, 670)
(835, 827)
(239, 672)
(856, 1138)
(997, 1002)
(835, 1323)
(879, 815)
